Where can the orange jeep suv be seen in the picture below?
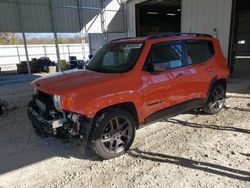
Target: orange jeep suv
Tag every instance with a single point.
(129, 83)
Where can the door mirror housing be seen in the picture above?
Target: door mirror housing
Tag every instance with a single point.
(156, 67)
(163, 66)
(160, 67)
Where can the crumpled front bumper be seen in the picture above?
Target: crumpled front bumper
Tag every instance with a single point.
(43, 127)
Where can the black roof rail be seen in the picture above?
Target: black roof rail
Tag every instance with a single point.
(125, 38)
(161, 35)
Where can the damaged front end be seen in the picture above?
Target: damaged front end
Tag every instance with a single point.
(49, 120)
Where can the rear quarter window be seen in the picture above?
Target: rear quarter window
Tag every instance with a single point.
(199, 51)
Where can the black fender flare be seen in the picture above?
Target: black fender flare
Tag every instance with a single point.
(85, 129)
(212, 82)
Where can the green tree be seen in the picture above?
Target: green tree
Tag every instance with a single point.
(61, 40)
(8, 38)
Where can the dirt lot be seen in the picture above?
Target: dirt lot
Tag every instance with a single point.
(190, 150)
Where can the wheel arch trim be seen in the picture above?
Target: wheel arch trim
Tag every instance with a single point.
(215, 80)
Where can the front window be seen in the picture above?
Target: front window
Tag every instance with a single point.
(164, 56)
(115, 57)
(167, 56)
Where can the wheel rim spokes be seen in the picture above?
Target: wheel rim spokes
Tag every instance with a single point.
(218, 99)
(116, 134)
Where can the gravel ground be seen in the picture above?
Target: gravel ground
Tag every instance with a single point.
(189, 150)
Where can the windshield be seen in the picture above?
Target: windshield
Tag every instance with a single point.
(115, 57)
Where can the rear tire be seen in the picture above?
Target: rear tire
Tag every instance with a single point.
(113, 133)
(216, 99)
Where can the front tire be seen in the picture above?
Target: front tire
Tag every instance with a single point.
(216, 99)
(113, 133)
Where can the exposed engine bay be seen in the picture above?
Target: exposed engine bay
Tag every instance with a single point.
(49, 119)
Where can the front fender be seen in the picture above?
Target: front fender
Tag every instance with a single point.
(94, 106)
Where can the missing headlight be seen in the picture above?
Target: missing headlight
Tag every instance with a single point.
(57, 102)
(35, 91)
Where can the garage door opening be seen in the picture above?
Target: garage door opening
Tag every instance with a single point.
(158, 16)
(239, 51)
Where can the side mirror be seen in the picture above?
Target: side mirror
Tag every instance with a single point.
(90, 56)
(160, 67)
(157, 67)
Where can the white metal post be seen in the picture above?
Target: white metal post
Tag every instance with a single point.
(57, 52)
(90, 44)
(18, 54)
(125, 19)
(83, 48)
(79, 5)
(26, 52)
(103, 20)
(68, 50)
(20, 17)
(53, 16)
(45, 52)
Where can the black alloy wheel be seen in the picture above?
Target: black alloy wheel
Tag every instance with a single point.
(117, 134)
(216, 100)
(113, 133)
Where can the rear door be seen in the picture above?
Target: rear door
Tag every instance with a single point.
(199, 56)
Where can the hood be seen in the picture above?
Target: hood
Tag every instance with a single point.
(69, 81)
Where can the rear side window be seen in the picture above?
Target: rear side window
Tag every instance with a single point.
(199, 51)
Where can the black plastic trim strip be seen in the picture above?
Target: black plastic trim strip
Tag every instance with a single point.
(173, 110)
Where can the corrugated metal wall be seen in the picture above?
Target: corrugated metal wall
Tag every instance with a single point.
(37, 16)
(208, 16)
(131, 17)
(97, 20)
(97, 40)
(201, 16)
(66, 14)
(197, 16)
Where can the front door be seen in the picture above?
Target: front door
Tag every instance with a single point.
(163, 77)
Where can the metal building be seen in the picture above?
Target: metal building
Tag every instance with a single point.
(104, 20)
(105, 17)
(227, 20)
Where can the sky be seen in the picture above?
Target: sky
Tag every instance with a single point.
(47, 35)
